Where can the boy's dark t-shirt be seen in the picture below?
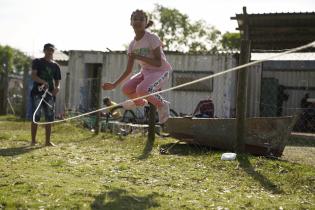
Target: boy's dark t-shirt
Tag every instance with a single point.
(46, 70)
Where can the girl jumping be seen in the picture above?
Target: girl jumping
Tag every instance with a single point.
(146, 49)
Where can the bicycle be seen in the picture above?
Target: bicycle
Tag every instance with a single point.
(139, 116)
(131, 116)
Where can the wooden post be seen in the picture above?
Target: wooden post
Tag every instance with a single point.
(242, 89)
(67, 91)
(151, 131)
(98, 99)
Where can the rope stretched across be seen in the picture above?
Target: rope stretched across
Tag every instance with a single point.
(312, 44)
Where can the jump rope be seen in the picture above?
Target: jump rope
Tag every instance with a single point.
(312, 44)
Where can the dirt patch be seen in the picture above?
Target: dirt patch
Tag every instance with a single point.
(305, 155)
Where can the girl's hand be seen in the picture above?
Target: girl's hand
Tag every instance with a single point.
(108, 86)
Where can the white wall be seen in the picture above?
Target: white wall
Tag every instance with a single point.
(115, 63)
(60, 99)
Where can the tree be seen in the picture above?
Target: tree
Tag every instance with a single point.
(22, 65)
(6, 59)
(179, 33)
(231, 41)
(21, 62)
(11, 61)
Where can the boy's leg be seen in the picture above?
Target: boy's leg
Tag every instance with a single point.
(35, 99)
(50, 117)
(33, 133)
(48, 133)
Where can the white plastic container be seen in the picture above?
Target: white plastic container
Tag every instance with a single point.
(228, 156)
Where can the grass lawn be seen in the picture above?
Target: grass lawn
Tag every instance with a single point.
(85, 171)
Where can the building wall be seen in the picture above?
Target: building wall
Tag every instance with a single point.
(60, 99)
(79, 77)
(223, 94)
(297, 83)
(254, 90)
(298, 78)
(114, 64)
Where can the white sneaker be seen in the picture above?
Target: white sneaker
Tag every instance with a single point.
(129, 104)
(164, 112)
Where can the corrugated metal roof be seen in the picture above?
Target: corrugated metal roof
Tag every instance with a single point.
(284, 13)
(307, 56)
(277, 31)
(58, 56)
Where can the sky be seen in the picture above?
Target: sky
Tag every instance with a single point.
(100, 24)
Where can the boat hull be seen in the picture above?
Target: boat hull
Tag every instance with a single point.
(263, 135)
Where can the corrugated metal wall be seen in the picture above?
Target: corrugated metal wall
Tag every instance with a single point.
(254, 90)
(60, 99)
(294, 81)
(223, 94)
(114, 64)
(79, 80)
(294, 75)
(298, 78)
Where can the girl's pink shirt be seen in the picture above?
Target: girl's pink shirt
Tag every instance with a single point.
(145, 47)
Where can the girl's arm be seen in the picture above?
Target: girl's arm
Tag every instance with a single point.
(110, 86)
(155, 61)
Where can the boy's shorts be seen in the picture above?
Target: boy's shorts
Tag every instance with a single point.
(49, 112)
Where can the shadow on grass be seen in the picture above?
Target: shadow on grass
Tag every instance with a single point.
(184, 149)
(263, 181)
(120, 199)
(193, 149)
(17, 150)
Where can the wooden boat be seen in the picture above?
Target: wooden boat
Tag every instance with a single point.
(265, 136)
